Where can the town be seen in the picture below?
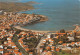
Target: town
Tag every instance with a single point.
(15, 41)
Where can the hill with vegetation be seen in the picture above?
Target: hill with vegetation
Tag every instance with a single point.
(15, 6)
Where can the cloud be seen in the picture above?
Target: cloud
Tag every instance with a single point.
(9, 0)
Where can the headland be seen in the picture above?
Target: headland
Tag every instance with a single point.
(16, 6)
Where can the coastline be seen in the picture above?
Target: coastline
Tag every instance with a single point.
(44, 18)
(25, 29)
(19, 38)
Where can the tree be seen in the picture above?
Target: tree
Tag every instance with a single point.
(62, 31)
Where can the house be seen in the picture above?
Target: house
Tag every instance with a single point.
(49, 53)
(27, 49)
(1, 12)
(30, 53)
(70, 38)
(67, 48)
(47, 48)
(48, 36)
(1, 51)
(1, 46)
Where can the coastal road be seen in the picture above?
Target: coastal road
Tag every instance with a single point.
(38, 47)
(15, 40)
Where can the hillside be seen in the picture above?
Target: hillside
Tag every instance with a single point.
(13, 7)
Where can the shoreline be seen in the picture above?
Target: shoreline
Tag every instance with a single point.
(25, 29)
(40, 31)
(42, 20)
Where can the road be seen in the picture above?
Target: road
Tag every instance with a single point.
(15, 40)
(38, 46)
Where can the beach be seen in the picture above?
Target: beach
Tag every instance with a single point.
(62, 14)
(44, 33)
(24, 29)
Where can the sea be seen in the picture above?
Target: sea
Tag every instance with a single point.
(62, 14)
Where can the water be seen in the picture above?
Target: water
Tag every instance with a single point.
(62, 14)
